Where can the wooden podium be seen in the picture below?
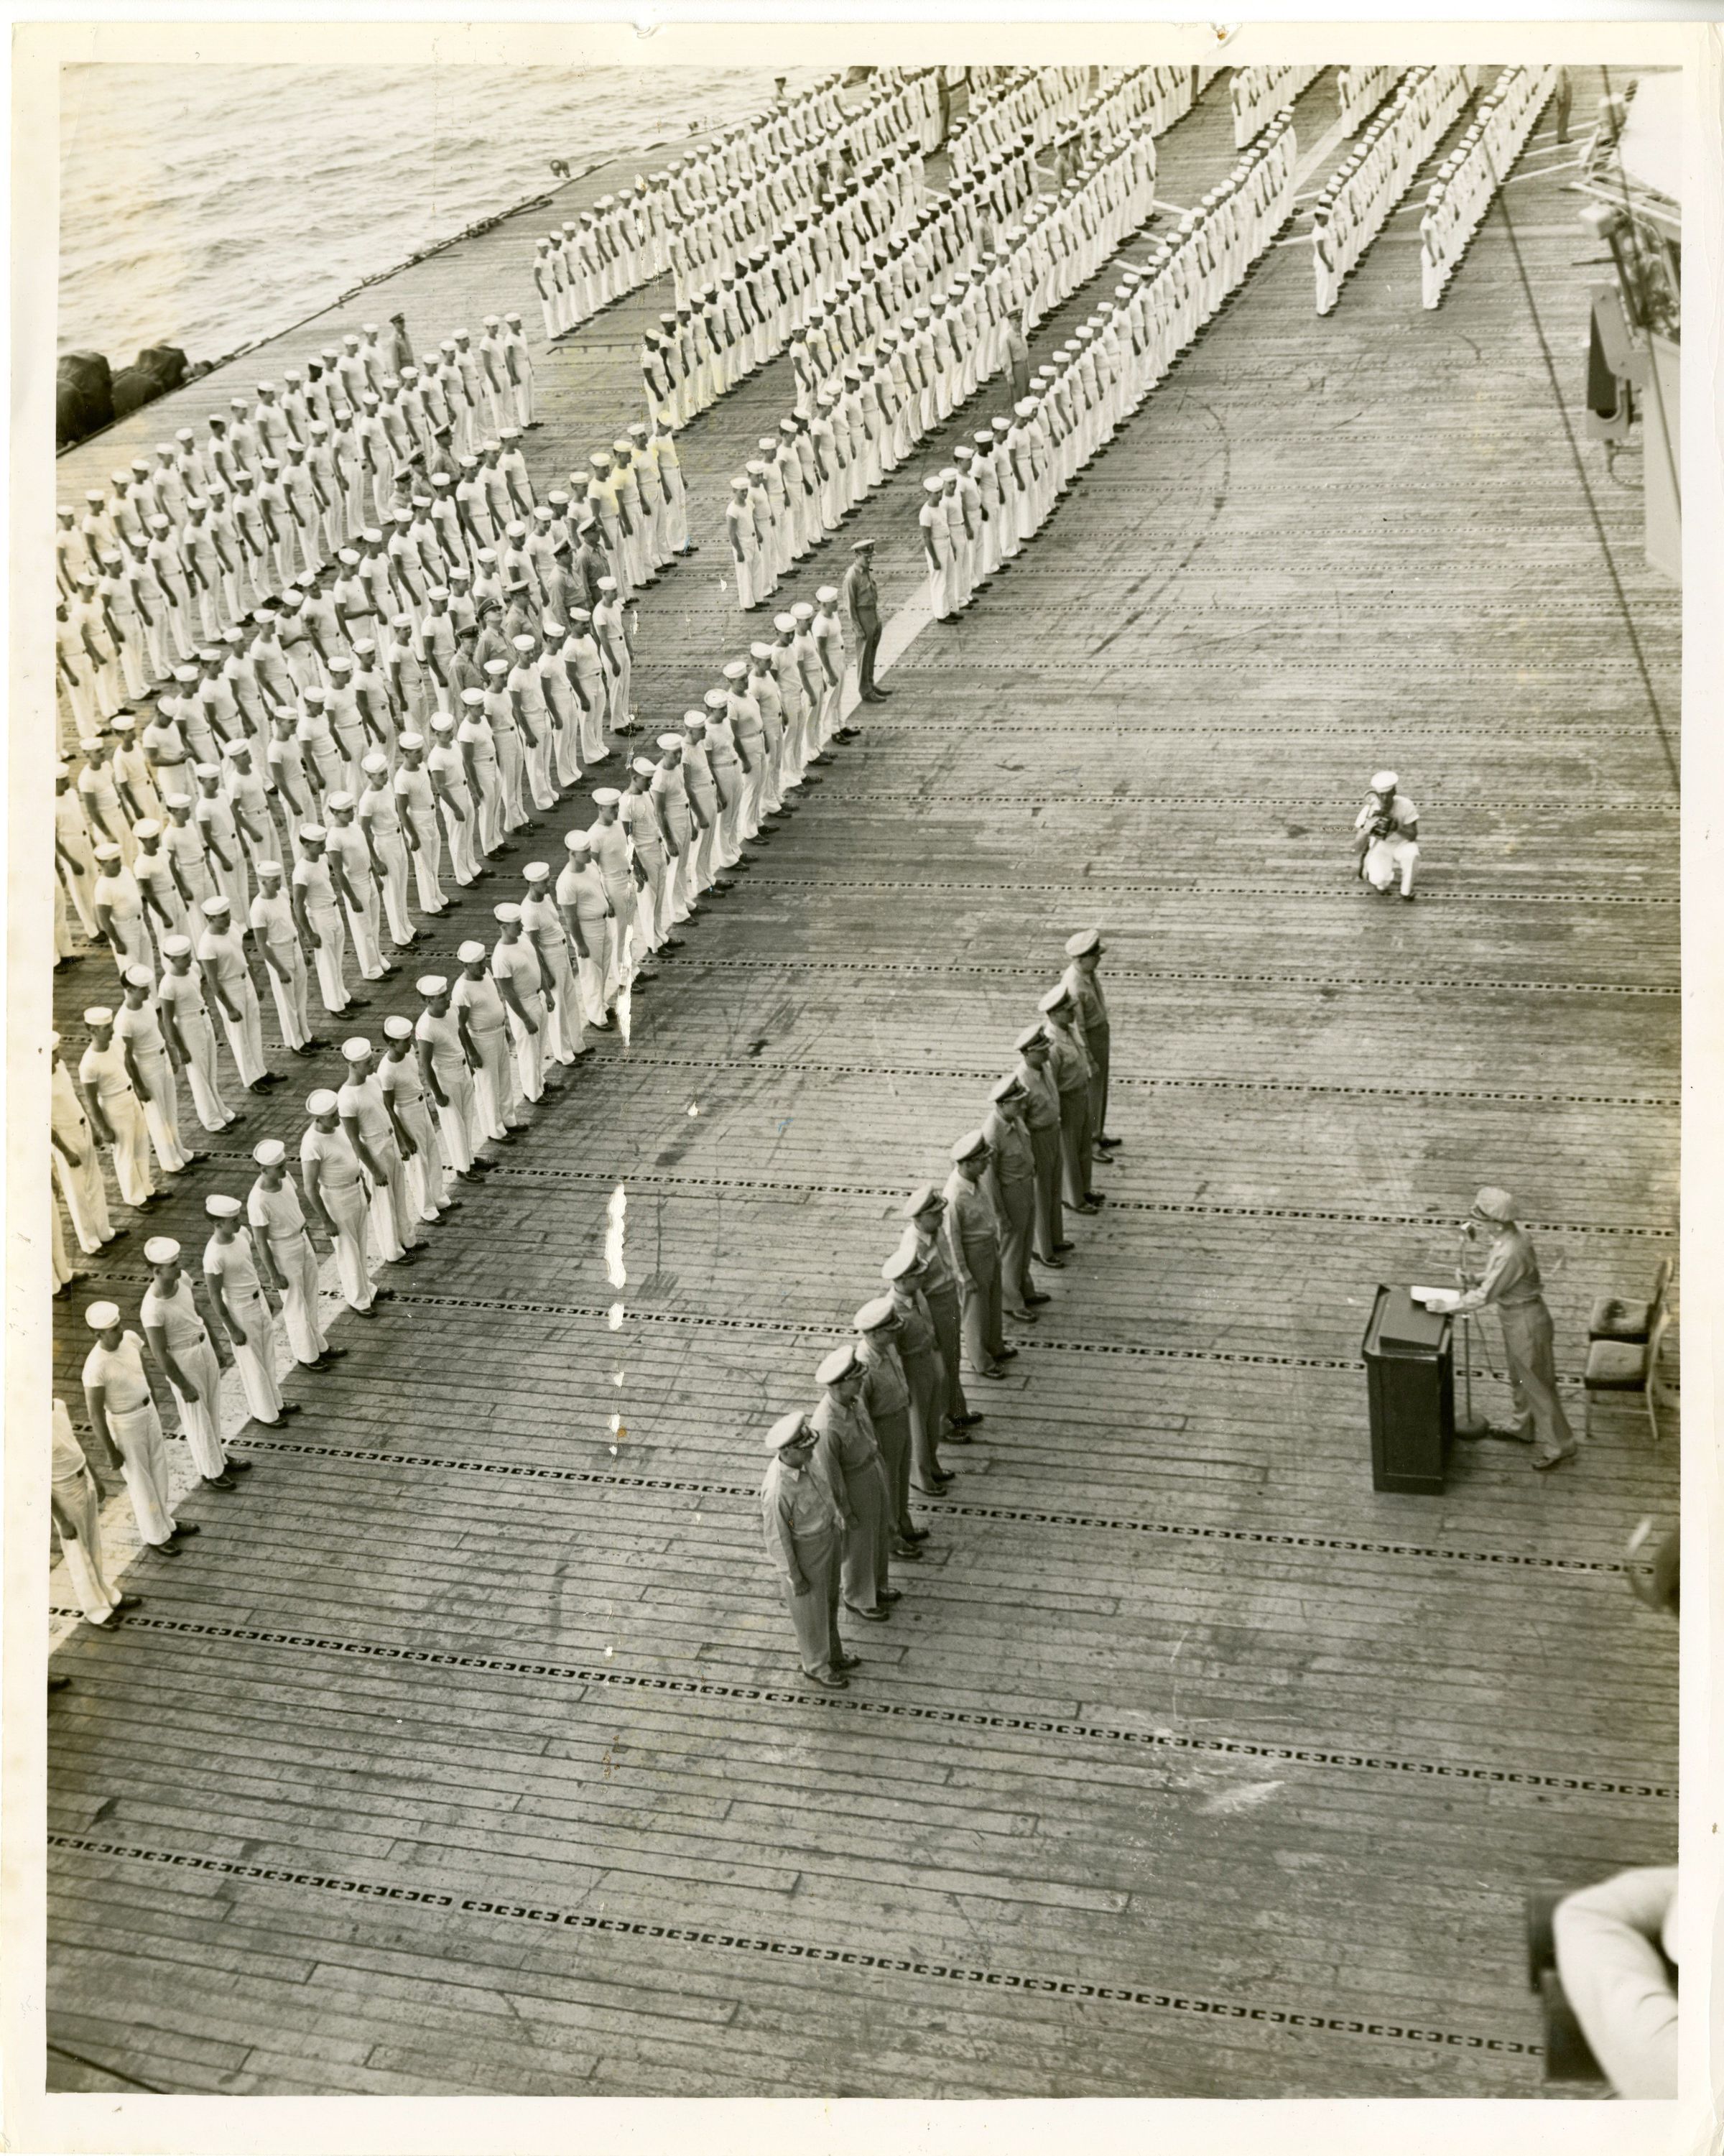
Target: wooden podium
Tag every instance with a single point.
(1409, 1370)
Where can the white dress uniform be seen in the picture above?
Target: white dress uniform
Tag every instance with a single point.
(193, 1351)
(182, 993)
(234, 1264)
(103, 1074)
(495, 1080)
(399, 1080)
(541, 923)
(75, 1495)
(324, 914)
(463, 1130)
(141, 1031)
(80, 1179)
(135, 1428)
(221, 958)
(344, 1192)
(279, 1217)
(273, 924)
(519, 962)
(392, 1225)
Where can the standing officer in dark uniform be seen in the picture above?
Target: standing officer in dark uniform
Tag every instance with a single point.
(862, 603)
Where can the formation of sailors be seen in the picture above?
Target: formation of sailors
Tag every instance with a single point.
(715, 336)
(1468, 178)
(360, 449)
(1361, 90)
(870, 386)
(1259, 94)
(1357, 199)
(1027, 102)
(623, 241)
(835, 1503)
(1006, 479)
(1158, 96)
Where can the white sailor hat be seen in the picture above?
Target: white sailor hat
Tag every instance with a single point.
(969, 1146)
(161, 1250)
(716, 699)
(206, 771)
(923, 1199)
(341, 800)
(578, 842)
(537, 871)
(552, 627)
(607, 796)
(760, 651)
(269, 1153)
(443, 722)
(469, 953)
(506, 912)
(150, 829)
(176, 946)
(606, 584)
(100, 1316)
(432, 985)
(356, 1049)
(322, 1102)
(312, 835)
(138, 976)
(644, 765)
(1384, 781)
(836, 1366)
(802, 611)
(877, 1315)
(734, 669)
(669, 742)
(376, 763)
(410, 740)
(212, 909)
(268, 867)
(827, 594)
(220, 1208)
(932, 485)
(783, 621)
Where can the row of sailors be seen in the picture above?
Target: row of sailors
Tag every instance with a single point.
(1032, 102)
(1357, 199)
(1259, 93)
(1468, 178)
(676, 832)
(708, 205)
(879, 194)
(1157, 96)
(1361, 90)
(835, 1503)
(869, 389)
(138, 620)
(702, 349)
(1003, 483)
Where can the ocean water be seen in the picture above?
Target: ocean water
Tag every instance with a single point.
(204, 207)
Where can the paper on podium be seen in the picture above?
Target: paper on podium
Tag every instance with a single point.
(1437, 1300)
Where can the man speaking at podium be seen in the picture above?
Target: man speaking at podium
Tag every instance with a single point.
(1510, 1282)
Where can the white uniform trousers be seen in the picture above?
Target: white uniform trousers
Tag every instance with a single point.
(458, 1122)
(590, 972)
(567, 1033)
(348, 1209)
(143, 1463)
(161, 1104)
(653, 909)
(392, 1226)
(201, 1072)
(200, 1419)
(392, 852)
(75, 1496)
(464, 839)
(256, 1357)
(296, 1262)
(529, 1047)
(130, 1147)
(292, 1006)
(86, 1198)
(597, 689)
(496, 1082)
(245, 1035)
(330, 956)
(427, 1185)
(427, 858)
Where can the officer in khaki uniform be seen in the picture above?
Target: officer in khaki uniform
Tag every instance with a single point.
(847, 1457)
(886, 1395)
(924, 1373)
(972, 1243)
(1041, 1117)
(1010, 1182)
(1069, 1061)
(1085, 951)
(925, 1210)
(804, 1534)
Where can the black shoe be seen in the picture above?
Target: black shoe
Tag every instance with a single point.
(187, 1527)
(383, 1295)
(834, 1683)
(166, 1548)
(219, 1482)
(869, 1616)
(1039, 1296)
(60, 1684)
(888, 1595)
(880, 694)
(237, 1466)
(964, 1421)
(130, 1601)
(906, 1552)
(838, 1662)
